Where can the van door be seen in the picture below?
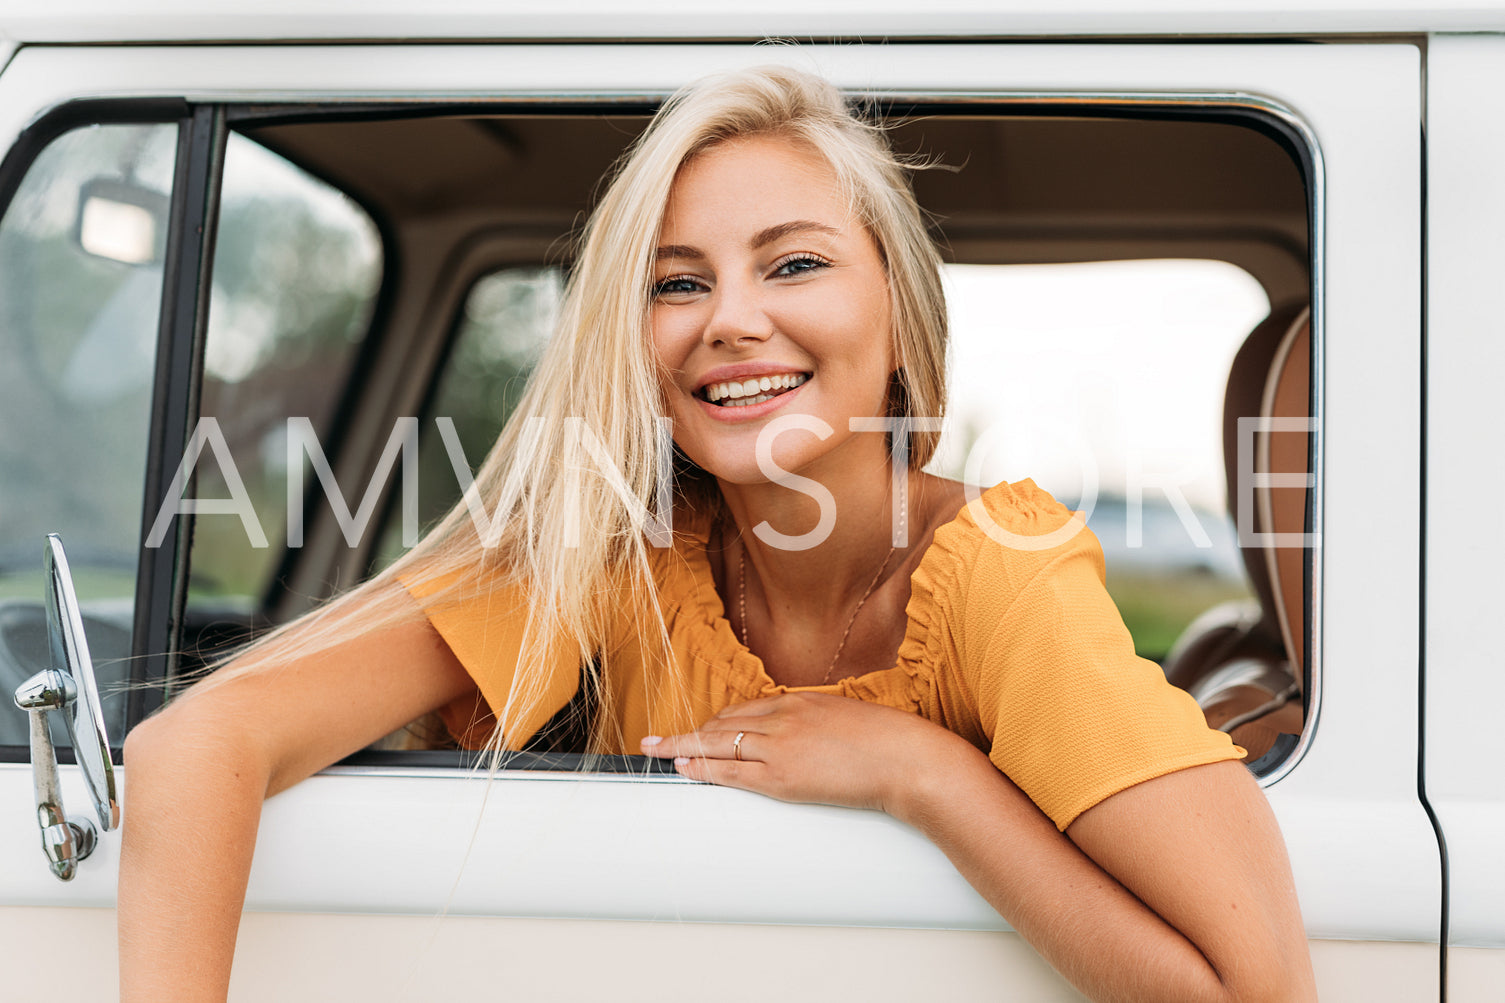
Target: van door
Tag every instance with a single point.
(376, 876)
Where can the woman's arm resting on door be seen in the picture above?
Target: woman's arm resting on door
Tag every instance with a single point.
(1175, 889)
(197, 773)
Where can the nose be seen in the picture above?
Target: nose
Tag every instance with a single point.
(737, 316)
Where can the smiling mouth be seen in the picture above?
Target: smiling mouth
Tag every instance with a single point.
(754, 390)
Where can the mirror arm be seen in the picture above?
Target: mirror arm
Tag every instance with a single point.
(65, 841)
(67, 687)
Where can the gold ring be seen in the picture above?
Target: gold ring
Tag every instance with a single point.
(737, 746)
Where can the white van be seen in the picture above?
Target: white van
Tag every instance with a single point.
(227, 228)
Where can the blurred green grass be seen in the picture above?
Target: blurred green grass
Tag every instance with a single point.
(1158, 607)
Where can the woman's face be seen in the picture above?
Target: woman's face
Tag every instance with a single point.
(769, 300)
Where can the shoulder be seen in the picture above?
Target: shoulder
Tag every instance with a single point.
(1003, 537)
(1021, 514)
(1004, 548)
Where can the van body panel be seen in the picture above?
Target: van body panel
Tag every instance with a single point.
(184, 20)
(1465, 543)
(355, 959)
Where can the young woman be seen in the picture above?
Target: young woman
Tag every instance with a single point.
(777, 599)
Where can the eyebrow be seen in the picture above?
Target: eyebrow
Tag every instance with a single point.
(760, 239)
(773, 233)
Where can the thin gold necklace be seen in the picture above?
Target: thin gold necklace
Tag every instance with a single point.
(742, 605)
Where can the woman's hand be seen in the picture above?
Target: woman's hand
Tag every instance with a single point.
(816, 747)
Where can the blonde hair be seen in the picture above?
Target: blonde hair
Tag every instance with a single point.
(572, 533)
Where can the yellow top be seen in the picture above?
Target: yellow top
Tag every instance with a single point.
(1012, 643)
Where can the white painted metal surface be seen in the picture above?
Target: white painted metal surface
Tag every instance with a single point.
(1465, 473)
(1362, 850)
(164, 20)
(560, 845)
(286, 957)
(1364, 855)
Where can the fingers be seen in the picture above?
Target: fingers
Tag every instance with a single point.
(756, 720)
(731, 748)
(746, 775)
(713, 755)
(711, 742)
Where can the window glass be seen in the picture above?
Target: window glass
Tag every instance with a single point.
(507, 317)
(81, 248)
(1104, 382)
(297, 266)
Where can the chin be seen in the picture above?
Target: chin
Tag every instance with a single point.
(728, 466)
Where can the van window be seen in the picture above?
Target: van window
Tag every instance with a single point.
(1102, 275)
(507, 317)
(297, 267)
(1103, 383)
(81, 249)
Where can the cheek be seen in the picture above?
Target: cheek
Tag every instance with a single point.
(859, 324)
(660, 336)
(669, 353)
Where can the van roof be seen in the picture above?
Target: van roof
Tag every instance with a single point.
(67, 21)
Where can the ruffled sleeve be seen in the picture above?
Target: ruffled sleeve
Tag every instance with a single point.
(484, 623)
(1031, 657)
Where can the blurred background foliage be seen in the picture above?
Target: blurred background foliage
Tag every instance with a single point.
(78, 336)
(297, 269)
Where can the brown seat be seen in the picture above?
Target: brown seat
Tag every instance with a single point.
(1244, 662)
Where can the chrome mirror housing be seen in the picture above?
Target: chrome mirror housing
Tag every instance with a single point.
(68, 686)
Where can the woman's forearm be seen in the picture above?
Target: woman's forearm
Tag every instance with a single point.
(1081, 919)
(192, 808)
(196, 776)
(1176, 888)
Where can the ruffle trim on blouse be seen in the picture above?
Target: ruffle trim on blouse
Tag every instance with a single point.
(698, 626)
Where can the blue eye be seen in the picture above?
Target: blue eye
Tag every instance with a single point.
(678, 284)
(800, 264)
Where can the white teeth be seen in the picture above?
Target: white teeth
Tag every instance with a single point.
(739, 393)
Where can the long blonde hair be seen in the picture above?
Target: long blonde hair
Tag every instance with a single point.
(570, 530)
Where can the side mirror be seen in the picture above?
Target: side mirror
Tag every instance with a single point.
(67, 687)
